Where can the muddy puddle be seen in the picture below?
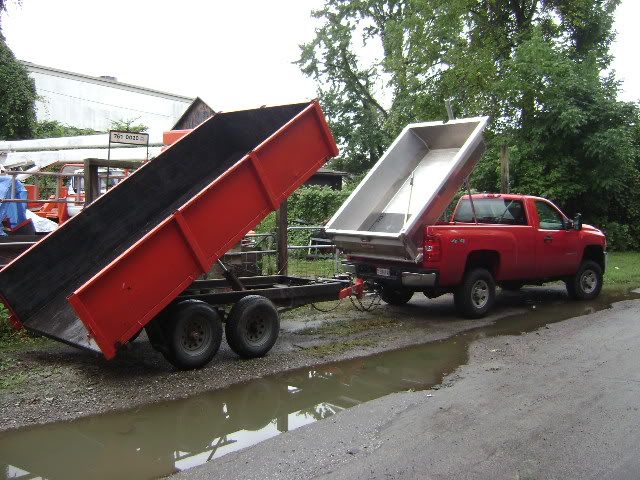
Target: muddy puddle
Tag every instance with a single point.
(159, 439)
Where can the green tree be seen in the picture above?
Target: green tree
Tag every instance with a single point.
(17, 93)
(128, 125)
(53, 128)
(17, 97)
(539, 68)
(3, 8)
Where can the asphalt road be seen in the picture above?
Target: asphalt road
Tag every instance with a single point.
(562, 402)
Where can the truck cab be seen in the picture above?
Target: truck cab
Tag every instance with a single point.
(494, 239)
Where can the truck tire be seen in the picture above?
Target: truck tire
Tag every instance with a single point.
(192, 332)
(586, 283)
(476, 295)
(395, 295)
(252, 326)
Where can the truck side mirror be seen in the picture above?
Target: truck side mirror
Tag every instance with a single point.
(577, 222)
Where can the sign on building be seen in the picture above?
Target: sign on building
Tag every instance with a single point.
(129, 138)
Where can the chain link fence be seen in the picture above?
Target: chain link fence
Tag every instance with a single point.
(311, 254)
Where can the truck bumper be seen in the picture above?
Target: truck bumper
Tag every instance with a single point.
(420, 280)
(417, 279)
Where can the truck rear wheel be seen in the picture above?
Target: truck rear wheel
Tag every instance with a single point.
(476, 295)
(586, 283)
(252, 326)
(395, 295)
(192, 334)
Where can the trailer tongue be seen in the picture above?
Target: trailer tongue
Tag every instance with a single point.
(99, 279)
(410, 186)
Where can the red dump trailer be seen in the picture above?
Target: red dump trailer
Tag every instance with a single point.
(130, 259)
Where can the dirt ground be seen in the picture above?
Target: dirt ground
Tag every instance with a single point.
(48, 381)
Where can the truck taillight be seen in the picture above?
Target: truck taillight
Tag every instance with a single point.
(432, 248)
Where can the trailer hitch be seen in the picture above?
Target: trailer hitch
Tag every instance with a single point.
(356, 290)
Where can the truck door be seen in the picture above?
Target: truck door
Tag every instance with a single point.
(555, 253)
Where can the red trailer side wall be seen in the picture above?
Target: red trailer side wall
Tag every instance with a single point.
(125, 295)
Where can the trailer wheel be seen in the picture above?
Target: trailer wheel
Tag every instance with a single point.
(192, 334)
(395, 296)
(586, 283)
(252, 326)
(475, 297)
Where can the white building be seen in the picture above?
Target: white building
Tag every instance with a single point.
(83, 101)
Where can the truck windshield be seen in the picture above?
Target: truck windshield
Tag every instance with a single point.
(491, 210)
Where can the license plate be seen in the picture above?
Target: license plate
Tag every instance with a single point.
(383, 272)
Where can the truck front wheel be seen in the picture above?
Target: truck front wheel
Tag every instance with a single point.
(476, 295)
(586, 283)
(395, 296)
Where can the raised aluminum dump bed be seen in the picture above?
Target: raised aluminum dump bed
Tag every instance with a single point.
(102, 276)
(409, 187)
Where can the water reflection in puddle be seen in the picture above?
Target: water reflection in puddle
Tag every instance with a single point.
(162, 438)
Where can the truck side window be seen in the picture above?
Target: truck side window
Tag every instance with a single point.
(495, 211)
(550, 218)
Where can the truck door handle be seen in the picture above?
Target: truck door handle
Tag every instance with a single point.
(548, 239)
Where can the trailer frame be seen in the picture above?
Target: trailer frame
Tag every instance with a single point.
(283, 290)
(188, 331)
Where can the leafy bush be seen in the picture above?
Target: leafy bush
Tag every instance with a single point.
(309, 205)
(314, 204)
(619, 236)
(54, 129)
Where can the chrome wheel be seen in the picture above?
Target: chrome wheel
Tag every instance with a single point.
(480, 294)
(588, 281)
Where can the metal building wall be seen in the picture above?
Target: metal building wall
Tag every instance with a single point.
(91, 102)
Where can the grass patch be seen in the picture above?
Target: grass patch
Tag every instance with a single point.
(13, 375)
(337, 348)
(623, 271)
(12, 339)
(312, 268)
(301, 267)
(349, 327)
(12, 381)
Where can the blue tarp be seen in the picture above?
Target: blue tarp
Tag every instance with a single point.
(14, 212)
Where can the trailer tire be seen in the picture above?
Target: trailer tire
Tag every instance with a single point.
(476, 295)
(395, 295)
(192, 334)
(586, 283)
(252, 326)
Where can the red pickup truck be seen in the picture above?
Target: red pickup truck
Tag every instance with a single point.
(508, 240)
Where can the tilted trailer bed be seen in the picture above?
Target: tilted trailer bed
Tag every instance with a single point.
(129, 260)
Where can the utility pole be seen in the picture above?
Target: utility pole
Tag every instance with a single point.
(282, 238)
(504, 169)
